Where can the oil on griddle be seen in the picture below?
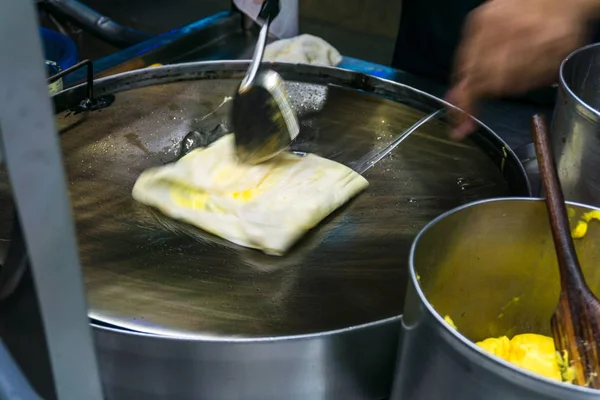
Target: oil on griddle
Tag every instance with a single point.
(145, 272)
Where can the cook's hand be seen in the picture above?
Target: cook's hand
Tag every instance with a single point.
(512, 46)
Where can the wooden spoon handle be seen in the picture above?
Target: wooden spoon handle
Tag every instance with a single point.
(570, 271)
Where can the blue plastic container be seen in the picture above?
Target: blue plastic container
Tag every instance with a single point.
(59, 48)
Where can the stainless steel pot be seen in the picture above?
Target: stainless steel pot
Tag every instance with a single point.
(491, 267)
(576, 126)
(353, 363)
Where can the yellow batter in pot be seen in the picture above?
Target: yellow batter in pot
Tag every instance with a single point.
(530, 351)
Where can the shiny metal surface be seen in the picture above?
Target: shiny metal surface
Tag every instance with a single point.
(371, 159)
(576, 126)
(490, 266)
(169, 281)
(147, 273)
(346, 278)
(348, 364)
(262, 118)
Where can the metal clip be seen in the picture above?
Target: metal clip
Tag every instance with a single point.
(90, 103)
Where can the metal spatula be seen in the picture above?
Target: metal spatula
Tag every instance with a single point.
(262, 117)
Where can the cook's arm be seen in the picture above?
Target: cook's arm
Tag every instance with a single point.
(512, 46)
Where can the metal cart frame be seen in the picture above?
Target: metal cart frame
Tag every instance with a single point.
(29, 148)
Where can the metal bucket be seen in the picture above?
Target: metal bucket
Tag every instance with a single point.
(491, 267)
(576, 126)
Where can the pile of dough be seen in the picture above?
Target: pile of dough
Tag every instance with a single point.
(267, 206)
(303, 49)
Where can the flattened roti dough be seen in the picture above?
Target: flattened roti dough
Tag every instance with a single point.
(303, 49)
(267, 206)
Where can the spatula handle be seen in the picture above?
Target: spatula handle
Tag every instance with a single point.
(269, 10)
(259, 51)
(570, 271)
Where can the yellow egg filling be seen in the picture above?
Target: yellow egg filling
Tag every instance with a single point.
(580, 229)
(532, 352)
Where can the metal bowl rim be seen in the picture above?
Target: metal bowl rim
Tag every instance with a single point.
(594, 114)
(505, 365)
(242, 66)
(233, 339)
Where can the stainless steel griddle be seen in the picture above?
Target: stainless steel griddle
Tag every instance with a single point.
(146, 273)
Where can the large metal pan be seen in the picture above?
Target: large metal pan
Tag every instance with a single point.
(216, 321)
(491, 267)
